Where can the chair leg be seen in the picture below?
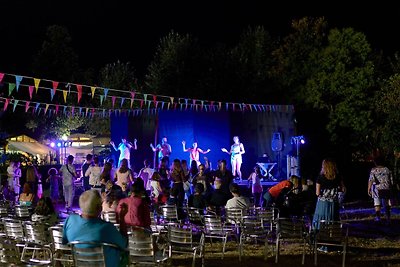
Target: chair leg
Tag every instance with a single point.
(240, 247)
(344, 255)
(194, 258)
(277, 250)
(315, 253)
(223, 246)
(304, 253)
(265, 248)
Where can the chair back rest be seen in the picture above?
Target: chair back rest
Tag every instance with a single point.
(194, 215)
(13, 228)
(268, 217)
(252, 225)
(22, 212)
(180, 236)
(169, 213)
(234, 215)
(212, 223)
(56, 234)
(109, 216)
(291, 228)
(36, 232)
(332, 232)
(89, 253)
(3, 211)
(140, 244)
(9, 252)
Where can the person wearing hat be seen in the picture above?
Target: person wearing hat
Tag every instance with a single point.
(89, 227)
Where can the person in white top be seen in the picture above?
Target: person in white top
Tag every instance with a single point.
(94, 172)
(68, 173)
(236, 152)
(237, 201)
(124, 147)
(146, 173)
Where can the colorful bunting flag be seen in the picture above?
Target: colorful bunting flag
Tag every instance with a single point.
(65, 93)
(6, 104)
(92, 89)
(30, 89)
(79, 89)
(27, 106)
(18, 80)
(36, 82)
(11, 87)
(1, 76)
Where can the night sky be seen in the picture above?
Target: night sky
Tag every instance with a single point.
(105, 31)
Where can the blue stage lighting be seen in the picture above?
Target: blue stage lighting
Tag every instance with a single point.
(58, 144)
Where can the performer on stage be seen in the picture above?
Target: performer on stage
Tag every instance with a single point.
(194, 152)
(236, 152)
(124, 147)
(164, 150)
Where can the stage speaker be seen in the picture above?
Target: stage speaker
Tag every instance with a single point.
(277, 143)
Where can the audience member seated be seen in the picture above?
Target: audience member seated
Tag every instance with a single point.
(89, 227)
(173, 197)
(275, 194)
(110, 201)
(134, 210)
(26, 197)
(44, 212)
(237, 201)
(218, 198)
(197, 200)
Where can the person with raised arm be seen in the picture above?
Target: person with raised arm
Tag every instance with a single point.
(236, 152)
(164, 150)
(194, 152)
(124, 147)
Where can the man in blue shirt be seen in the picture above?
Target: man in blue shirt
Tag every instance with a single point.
(89, 227)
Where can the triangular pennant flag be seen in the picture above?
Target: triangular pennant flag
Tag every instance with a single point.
(172, 99)
(227, 106)
(86, 112)
(122, 101)
(6, 104)
(105, 92)
(154, 99)
(148, 104)
(72, 111)
(233, 106)
(65, 93)
(101, 99)
(194, 101)
(162, 105)
(219, 105)
(55, 85)
(65, 110)
(56, 111)
(157, 103)
(37, 106)
(141, 103)
(181, 105)
(46, 108)
(145, 97)
(255, 107)
(202, 104)
(80, 111)
(30, 89)
(51, 95)
(168, 106)
(18, 80)
(132, 98)
(113, 100)
(36, 82)
(11, 87)
(15, 104)
(92, 89)
(104, 113)
(92, 112)
(1, 76)
(27, 106)
(79, 89)
(250, 108)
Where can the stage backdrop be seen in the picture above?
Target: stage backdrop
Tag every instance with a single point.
(212, 130)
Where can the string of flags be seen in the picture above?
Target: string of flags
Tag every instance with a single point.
(122, 102)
